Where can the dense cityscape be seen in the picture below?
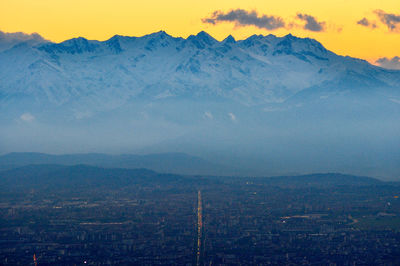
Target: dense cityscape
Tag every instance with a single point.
(203, 221)
(199, 133)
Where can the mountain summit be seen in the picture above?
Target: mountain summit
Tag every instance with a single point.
(158, 93)
(254, 71)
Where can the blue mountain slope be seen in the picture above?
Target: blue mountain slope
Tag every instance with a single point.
(258, 70)
(269, 105)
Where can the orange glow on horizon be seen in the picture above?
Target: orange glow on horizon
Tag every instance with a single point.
(58, 20)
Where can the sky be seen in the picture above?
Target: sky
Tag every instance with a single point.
(367, 29)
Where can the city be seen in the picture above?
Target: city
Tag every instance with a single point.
(203, 221)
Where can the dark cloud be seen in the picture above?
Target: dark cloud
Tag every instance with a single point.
(392, 21)
(393, 63)
(246, 18)
(311, 23)
(366, 23)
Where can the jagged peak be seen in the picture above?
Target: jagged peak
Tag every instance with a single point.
(254, 36)
(72, 46)
(290, 36)
(229, 39)
(114, 43)
(289, 40)
(78, 42)
(204, 36)
(160, 34)
(261, 37)
(202, 39)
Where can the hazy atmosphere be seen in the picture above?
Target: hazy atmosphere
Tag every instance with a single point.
(267, 105)
(199, 132)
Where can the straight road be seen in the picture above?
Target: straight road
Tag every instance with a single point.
(199, 228)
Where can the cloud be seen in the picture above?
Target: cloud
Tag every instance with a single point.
(243, 18)
(311, 23)
(27, 117)
(388, 63)
(20, 36)
(9, 39)
(232, 116)
(82, 114)
(208, 115)
(366, 23)
(394, 100)
(392, 21)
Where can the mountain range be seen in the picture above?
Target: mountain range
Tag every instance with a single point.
(177, 163)
(50, 176)
(267, 104)
(112, 73)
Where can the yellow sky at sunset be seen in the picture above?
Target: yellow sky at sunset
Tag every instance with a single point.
(58, 20)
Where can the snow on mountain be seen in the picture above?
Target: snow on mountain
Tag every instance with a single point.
(8, 40)
(109, 74)
(267, 104)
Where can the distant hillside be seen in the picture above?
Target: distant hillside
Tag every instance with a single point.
(90, 177)
(320, 180)
(83, 176)
(266, 105)
(178, 163)
(325, 180)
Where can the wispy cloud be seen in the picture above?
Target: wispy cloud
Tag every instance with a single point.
(27, 117)
(20, 36)
(392, 21)
(232, 116)
(243, 18)
(390, 63)
(9, 39)
(208, 115)
(311, 23)
(366, 23)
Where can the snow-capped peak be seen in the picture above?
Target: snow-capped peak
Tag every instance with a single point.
(229, 40)
(109, 73)
(202, 40)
